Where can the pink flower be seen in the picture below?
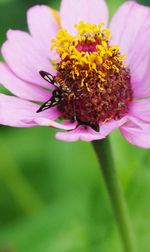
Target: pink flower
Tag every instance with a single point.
(125, 104)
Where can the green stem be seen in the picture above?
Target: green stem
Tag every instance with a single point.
(105, 158)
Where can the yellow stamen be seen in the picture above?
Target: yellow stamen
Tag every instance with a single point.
(71, 49)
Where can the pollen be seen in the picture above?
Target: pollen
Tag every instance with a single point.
(94, 72)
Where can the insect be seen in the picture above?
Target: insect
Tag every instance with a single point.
(58, 97)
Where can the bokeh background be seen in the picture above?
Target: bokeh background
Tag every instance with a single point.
(52, 195)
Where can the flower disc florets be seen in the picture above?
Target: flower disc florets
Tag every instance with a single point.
(95, 74)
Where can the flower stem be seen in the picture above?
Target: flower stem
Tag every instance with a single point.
(105, 158)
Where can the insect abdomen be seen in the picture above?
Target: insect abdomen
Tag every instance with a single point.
(62, 84)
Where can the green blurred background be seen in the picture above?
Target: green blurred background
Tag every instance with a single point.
(52, 196)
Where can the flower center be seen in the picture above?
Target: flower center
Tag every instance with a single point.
(95, 75)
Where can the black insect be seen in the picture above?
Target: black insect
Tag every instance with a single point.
(58, 97)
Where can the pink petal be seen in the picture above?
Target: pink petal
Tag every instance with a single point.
(42, 26)
(130, 27)
(72, 12)
(137, 132)
(21, 88)
(140, 76)
(64, 125)
(25, 57)
(16, 112)
(87, 134)
(141, 109)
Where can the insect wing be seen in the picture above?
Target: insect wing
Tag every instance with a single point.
(56, 97)
(47, 76)
(46, 105)
(53, 101)
(50, 78)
